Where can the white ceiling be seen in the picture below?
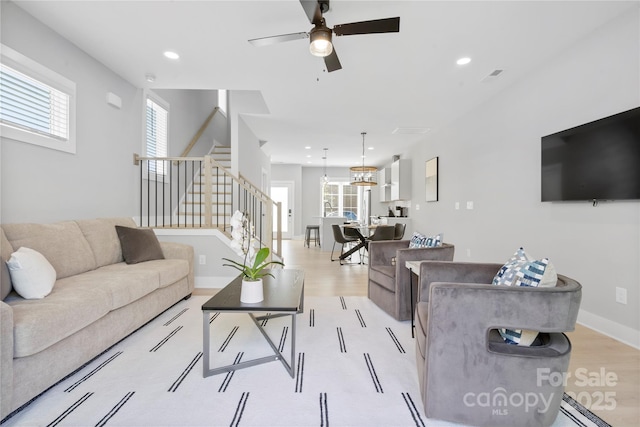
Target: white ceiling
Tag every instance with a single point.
(401, 80)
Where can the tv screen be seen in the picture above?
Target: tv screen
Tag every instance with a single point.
(599, 160)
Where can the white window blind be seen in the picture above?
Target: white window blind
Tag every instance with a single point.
(33, 106)
(157, 135)
(37, 105)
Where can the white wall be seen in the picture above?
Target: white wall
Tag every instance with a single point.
(188, 111)
(251, 159)
(491, 156)
(39, 184)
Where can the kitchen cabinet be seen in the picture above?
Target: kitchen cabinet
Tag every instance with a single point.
(401, 179)
(384, 181)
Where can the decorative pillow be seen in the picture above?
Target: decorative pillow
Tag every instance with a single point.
(5, 280)
(421, 241)
(521, 270)
(138, 244)
(32, 275)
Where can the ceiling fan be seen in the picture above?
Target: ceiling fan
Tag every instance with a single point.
(320, 35)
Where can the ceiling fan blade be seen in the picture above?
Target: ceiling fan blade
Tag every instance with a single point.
(332, 62)
(265, 41)
(312, 9)
(387, 25)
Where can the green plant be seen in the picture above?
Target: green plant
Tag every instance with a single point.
(243, 243)
(255, 271)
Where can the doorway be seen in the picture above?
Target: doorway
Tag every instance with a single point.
(282, 191)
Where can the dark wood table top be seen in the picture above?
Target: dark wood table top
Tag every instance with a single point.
(282, 293)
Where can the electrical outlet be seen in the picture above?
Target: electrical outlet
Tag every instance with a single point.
(621, 295)
(417, 207)
(469, 205)
(203, 259)
(469, 253)
(457, 205)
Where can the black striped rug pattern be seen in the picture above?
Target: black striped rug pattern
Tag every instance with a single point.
(354, 366)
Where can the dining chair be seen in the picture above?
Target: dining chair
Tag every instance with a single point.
(383, 232)
(399, 231)
(339, 237)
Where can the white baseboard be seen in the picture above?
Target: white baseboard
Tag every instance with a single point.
(619, 332)
(213, 282)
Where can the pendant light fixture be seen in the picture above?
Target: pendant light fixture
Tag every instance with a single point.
(325, 178)
(363, 175)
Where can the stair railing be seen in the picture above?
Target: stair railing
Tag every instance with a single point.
(199, 133)
(169, 198)
(277, 215)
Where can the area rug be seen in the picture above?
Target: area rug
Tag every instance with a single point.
(355, 366)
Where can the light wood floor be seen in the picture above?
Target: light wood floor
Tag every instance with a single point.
(595, 360)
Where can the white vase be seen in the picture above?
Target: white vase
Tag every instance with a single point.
(251, 291)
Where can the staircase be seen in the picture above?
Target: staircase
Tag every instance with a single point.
(193, 206)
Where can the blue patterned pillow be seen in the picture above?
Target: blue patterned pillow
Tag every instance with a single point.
(421, 241)
(521, 270)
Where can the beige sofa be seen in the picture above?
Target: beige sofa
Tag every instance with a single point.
(96, 301)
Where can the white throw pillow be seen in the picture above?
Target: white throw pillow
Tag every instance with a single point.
(32, 275)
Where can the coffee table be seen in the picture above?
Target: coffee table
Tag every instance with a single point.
(283, 296)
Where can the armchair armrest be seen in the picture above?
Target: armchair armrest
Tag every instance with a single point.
(443, 253)
(461, 272)
(382, 252)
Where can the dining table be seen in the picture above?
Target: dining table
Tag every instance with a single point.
(363, 231)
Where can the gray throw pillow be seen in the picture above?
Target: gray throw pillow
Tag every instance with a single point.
(5, 280)
(138, 244)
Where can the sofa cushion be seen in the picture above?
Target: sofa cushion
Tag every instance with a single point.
(521, 270)
(61, 243)
(103, 238)
(124, 283)
(138, 244)
(32, 275)
(169, 270)
(38, 324)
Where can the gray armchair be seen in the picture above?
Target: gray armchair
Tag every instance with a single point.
(390, 280)
(467, 373)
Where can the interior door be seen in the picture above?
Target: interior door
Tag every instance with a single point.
(282, 191)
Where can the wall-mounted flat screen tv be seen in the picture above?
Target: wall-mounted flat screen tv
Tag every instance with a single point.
(599, 160)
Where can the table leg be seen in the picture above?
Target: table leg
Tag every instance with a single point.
(207, 371)
(413, 326)
(351, 251)
(205, 343)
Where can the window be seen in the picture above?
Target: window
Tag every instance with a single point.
(37, 106)
(157, 118)
(222, 100)
(340, 199)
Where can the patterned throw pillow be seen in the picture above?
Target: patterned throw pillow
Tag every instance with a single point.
(421, 241)
(521, 270)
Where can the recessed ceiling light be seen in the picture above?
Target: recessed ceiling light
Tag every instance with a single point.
(370, 148)
(463, 61)
(171, 55)
(308, 155)
(307, 148)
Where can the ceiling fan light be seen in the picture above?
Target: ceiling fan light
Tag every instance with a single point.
(320, 42)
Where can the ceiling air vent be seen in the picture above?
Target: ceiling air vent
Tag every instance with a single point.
(492, 76)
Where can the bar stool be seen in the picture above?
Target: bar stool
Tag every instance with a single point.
(312, 233)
